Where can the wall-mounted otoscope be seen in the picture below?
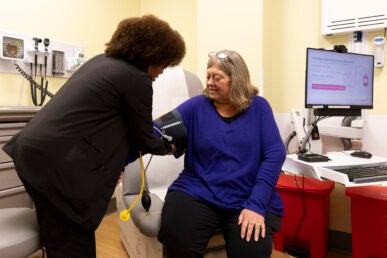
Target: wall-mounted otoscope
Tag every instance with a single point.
(37, 41)
(35, 65)
(43, 81)
(46, 43)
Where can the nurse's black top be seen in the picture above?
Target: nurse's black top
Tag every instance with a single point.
(74, 149)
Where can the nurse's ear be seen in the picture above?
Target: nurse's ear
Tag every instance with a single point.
(155, 70)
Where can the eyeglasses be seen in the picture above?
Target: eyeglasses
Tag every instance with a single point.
(221, 56)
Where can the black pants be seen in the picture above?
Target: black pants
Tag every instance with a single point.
(61, 237)
(187, 224)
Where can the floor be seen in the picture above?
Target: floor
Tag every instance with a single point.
(109, 244)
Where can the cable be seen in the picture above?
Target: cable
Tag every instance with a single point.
(289, 139)
(304, 207)
(149, 161)
(33, 82)
(125, 214)
(169, 138)
(33, 91)
(309, 132)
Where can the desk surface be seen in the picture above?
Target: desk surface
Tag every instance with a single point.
(322, 170)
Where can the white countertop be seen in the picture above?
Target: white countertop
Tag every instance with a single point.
(321, 170)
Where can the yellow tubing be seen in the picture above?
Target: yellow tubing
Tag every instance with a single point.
(125, 214)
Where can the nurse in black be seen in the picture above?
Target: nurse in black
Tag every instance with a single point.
(70, 155)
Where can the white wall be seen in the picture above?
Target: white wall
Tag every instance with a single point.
(181, 16)
(227, 24)
(373, 140)
(87, 23)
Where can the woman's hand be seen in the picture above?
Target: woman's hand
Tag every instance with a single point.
(250, 220)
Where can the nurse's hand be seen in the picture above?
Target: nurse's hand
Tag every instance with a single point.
(250, 220)
(173, 149)
(120, 178)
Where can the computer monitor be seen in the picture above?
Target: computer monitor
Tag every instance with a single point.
(337, 83)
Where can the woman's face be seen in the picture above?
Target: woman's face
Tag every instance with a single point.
(155, 70)
(218, 84)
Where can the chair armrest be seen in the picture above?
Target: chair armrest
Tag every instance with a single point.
(147, 222)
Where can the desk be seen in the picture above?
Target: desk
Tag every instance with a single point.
(340, 230)
(321, 170)
(369, 215)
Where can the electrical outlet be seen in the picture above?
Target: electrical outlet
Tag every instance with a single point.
(357, 36)
(358, 42)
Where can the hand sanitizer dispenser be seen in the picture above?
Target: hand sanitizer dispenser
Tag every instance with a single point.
(379, 51)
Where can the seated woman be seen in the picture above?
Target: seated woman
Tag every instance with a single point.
(233, 158)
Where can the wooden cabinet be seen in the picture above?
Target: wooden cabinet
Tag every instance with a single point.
(12, 192)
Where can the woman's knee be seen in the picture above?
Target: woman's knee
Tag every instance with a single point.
(240, 248)
(185, 226)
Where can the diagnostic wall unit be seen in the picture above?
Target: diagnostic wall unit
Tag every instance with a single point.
(38, 56)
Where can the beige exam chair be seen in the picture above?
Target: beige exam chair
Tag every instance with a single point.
(19, 232)
(139, 233)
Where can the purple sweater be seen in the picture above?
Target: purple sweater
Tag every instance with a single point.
(232, 165)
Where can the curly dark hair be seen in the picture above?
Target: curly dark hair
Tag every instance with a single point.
(144, 41)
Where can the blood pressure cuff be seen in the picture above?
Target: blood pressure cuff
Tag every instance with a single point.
(170, 126)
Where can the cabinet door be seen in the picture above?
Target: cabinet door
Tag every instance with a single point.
(8, 176)
(15, 197)
(3, 156)
(10, 129)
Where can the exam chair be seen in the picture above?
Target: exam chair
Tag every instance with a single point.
(19, 232)
(139, 233)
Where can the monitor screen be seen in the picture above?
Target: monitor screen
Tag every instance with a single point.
(338, 84)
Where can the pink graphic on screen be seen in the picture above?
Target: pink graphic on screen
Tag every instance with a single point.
(365, 81)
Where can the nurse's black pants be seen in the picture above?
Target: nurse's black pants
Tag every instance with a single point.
(61, 237)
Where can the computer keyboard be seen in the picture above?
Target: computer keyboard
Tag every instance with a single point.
(365, 174)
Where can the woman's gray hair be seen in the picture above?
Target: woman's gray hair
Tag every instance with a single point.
(241, 89)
